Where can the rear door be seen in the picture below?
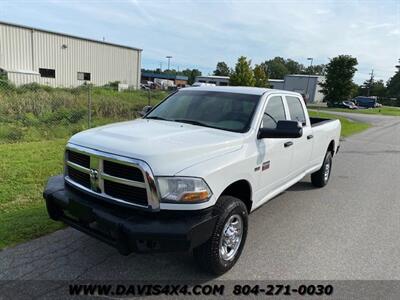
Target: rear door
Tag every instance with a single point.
(302, 147)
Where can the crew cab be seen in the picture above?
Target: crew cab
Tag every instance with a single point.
(186, 175)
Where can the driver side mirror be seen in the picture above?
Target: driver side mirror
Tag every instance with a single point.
(284, 129)
(145, 110)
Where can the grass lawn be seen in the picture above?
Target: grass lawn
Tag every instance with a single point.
(385, 110)
(348, 127)
(24, 170)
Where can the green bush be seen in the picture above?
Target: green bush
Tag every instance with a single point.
(29, 119)
(112, 85)
(42, 112)
(63, 114)
(11, 134)
(33, 87)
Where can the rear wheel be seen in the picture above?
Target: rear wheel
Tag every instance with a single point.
(321, 177)
(223, 249)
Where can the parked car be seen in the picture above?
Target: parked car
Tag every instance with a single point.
(343, 104)
(187, 175)
(366, 102)
(349, 105)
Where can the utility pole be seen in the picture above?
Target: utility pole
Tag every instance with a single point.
(308, 81)
(160, 66)
(370, 82)
(169, 60)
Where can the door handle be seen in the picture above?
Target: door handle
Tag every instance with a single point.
(288, 144)
(309, 137)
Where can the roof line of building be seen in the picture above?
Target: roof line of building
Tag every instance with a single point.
(68, 35)
(304, 75)
(214, 76)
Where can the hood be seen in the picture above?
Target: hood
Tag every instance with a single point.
(168, 147)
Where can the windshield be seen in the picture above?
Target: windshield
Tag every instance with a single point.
(226, 111)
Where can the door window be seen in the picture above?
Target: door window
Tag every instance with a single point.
(296, 109)
(274, 112)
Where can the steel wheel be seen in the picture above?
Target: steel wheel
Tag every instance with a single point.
(231, 237)
(327, 170)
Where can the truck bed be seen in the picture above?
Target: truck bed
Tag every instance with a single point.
(319, 121)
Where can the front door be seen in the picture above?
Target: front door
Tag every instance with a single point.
(274, 157)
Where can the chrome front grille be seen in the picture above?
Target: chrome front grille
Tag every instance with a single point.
(118, 178)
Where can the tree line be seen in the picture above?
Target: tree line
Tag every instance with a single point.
(338, 84)
(339, 74)
(276, 68)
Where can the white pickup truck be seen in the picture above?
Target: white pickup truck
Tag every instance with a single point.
(187, 174)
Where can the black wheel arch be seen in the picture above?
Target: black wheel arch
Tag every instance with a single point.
(242, 190)
(331, 147)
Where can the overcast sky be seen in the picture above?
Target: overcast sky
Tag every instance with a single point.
(198, 34)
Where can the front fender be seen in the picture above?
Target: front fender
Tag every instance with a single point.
(220, 172)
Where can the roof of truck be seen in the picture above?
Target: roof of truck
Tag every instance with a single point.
(231, 89)
(237, 89)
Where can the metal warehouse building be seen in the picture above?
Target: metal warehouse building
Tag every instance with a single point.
(307, 85)
(34, 55)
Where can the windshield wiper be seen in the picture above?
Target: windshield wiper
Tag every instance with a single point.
(193, 122)
(158, 118)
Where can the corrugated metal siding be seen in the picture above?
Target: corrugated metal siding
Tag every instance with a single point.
(299, 84)
(25, 49)
(15, 48)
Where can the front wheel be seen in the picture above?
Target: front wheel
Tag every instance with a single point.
(321, 177)
(223, 249)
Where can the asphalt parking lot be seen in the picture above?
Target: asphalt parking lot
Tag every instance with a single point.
(347, 230)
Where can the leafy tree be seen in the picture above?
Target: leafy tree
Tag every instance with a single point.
(279, 67)
(242, 74)
(293, 66)
(276, 68)
(393, 84)
(261, 78)
(355, 90)
(315, 70)
(378, 89)
(191, 74)
(222, 69)
(339, 78)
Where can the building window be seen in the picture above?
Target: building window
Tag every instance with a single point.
(48, 73)
(83, 76)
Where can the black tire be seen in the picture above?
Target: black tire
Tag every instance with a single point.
(320, 178)
(208, 255)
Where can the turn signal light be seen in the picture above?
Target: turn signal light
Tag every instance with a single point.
(195, 196)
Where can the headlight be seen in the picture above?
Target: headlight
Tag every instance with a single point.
(183, 189)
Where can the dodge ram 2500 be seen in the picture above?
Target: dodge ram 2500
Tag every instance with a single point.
(186, 175)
